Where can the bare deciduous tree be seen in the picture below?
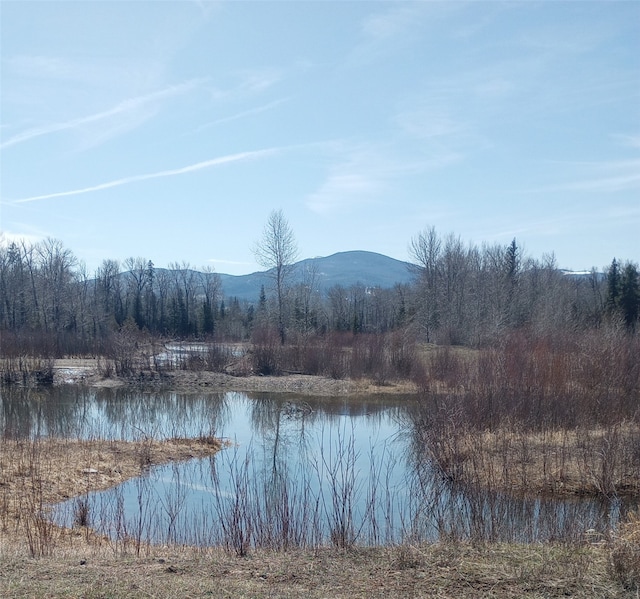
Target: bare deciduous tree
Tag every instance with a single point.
(426, 251)
(277, 250)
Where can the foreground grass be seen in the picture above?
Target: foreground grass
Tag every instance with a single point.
(447, 570)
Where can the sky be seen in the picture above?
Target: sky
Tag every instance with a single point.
(170, 130)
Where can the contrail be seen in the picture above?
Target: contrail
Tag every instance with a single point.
(168, 173)
(124, 106)
(244, 113)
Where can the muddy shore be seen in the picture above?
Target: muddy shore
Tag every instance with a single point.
(87, 372)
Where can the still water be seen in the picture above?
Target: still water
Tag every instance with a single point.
(298, 471)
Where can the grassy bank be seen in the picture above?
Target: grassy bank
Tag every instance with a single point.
(37, 473)
(448, 570)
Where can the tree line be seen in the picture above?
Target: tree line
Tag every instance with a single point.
(461, 294)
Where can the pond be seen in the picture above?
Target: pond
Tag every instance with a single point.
(298, 471)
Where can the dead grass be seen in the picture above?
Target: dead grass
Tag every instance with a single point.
(369, 387)
(625, 553)
(448, 570)
(34, 474)
(549, 463)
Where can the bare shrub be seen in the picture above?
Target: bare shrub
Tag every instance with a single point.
(336, 355)
(421, 377)
(368, 358)
(127, 350)
(81, 511)
(265, 350)
(217, 357)
(527, 413)
(403, 354)
(26, 370)
(446, 366)
(38, 528)
(105, 367)
(314, 358)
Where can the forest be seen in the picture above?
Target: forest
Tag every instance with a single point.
(461, 295)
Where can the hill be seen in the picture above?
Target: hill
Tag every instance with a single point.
(344, 268)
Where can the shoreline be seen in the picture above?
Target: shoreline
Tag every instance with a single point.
(86, 372)
(521, 464)
(35, 474)
(77, 561)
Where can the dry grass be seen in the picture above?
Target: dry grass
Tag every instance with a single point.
(34, 474)
(458, 571)
(370, 387)
(554, 463)
(625, 553)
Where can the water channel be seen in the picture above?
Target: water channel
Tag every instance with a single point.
(298, 471)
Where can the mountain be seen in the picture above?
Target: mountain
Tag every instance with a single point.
(344, 268)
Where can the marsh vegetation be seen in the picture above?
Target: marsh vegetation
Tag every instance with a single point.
(304, 476)
(481, 424)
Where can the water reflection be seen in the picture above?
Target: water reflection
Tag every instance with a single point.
(301, 471)
(120, 413)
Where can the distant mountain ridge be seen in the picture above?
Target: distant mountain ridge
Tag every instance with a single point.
(344, 268)
(368, 269)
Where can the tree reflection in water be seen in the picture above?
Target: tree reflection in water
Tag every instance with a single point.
(301, 471)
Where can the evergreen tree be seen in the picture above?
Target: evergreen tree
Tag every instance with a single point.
(208, 322)
(629, 299)
(613, 287)
(512, 263)
(262, 303)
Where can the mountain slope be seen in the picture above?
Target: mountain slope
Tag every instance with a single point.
(344, 268)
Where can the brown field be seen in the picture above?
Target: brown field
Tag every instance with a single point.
(447, 570)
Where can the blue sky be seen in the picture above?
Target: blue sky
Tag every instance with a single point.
(170, 130)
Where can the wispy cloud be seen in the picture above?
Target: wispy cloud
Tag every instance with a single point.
(105, 75)
(259, 80)
(362, 174)
(207, 7)
(632, 141)
(391, 22)
(342, 191)
(250, 82)
(357, 177)
(401, 18)
(242, 156)
(383, 31)
(9, 237)
(429, 122)
(119, 109)
(244, 113)
(615, 176)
